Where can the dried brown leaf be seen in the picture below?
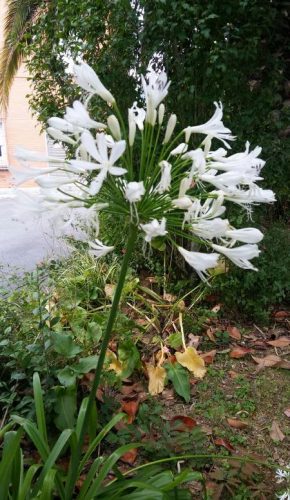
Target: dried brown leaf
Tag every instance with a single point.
(287, 412)
(280, 342)
(234, 332)
(209, 356)
(225, 443)
(237, 424)
(130, 456)
(239, 352)
(275, 432)
(183, 423)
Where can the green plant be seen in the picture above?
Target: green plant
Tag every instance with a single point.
(47, 479)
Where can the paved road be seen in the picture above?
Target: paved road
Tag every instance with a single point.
(25, 239)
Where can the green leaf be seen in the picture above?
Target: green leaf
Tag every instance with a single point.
(65, 407)
(174, 340)
(179, 378)
(65, 345)
(39, 407)
(129, 356)
(67, 376)
(85, 365)
(10, 453)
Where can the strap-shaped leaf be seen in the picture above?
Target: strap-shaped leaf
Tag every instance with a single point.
(10, 450)
(39, 407)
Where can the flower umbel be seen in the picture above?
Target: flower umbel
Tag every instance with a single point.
(139, 174)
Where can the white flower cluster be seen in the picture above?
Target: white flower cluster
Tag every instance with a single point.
(165, 188)
(281, 476)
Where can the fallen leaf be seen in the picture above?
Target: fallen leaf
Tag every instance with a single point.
(225, 443)
(275, 432)
(287, 412)
(191, 360)
(237, 424)
(115, 364)
(216, 308)
(234, 332)
(130, 408)
(130, 456)
(169, 297)
(233, 374)
(109, 290)
(268, 361)
(281, 314)
(280, 342)
(130, 388)
(193, 340)
(185, 423)
(239, 352)
(210, 334)
(209, 356)
(157, 376)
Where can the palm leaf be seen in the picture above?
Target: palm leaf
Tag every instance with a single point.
(20, 14)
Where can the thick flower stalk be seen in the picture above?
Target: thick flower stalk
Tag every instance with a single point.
(151, 181)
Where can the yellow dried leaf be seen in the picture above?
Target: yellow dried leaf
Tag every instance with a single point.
(157, 376)
(191, 360)
(115, 364)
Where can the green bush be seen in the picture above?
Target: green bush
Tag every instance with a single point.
(251, 294)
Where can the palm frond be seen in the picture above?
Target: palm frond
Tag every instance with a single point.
(19, 16)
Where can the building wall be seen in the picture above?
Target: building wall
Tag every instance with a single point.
(19, 126)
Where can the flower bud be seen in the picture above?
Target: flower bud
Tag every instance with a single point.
(161, 111)
(169, 129)
(114, 127)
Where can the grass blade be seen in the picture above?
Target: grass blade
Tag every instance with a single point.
(39, 407)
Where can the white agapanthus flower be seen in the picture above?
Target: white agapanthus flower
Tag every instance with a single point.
(144, 177)
(155, 90)
(200, 262)
(98, 249)
(154, 229)
(134, 191)
(79, 116)
(213, 127)
(241, 255)
(165, 181)
(284, 496)
(87, 79)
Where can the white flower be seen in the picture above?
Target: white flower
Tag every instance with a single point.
(200, 261)
(154, 229)
(251, 196)
(134, 191)
(114, 127)
(88, 80)
(240, 161)
(283, 473)
(211, 208)
(55, 180)
(79, 116)
(198, 161)
(99, 249)
(24, 173)
(284, 496)
(183, 203)
(60, 124)
(230, 179)
(246, 235)
(99, 150)
(165, 181)
(170, 128)
(214, 127)
(240, 255)
(24, 154)
(182, 148)
(132, 127)
(138, 115)
(58, 135)
(209, 229)
(155, 91)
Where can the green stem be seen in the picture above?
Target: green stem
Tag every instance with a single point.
(75, 460)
